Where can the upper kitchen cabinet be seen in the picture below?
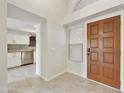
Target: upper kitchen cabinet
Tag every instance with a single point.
(19, 30)
(18, 39)
(32, 41)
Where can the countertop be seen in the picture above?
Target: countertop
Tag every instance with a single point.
(22, 50)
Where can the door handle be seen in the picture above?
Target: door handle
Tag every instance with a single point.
(88, 54)
(88, 51)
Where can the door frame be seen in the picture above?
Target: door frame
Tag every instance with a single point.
(41, 42)
(121, 13)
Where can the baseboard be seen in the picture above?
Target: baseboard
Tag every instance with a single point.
(94, 81)
(104, 85)
(42, 77)
(76, 74)
(51, 78)
(122, 89)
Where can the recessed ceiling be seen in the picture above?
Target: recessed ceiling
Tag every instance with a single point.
(84, 3)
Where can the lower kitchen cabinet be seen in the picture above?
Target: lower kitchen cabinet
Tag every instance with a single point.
(14, 59)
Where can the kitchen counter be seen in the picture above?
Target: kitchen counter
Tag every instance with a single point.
(22, 50)
(19, 55)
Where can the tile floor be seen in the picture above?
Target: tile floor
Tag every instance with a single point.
(20, 73)
(66, 83)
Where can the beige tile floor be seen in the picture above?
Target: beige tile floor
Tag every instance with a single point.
(66, 83)
(20, 73)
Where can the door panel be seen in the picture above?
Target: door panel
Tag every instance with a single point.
(104, 51)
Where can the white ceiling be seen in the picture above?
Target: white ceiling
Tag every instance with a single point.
(21, 20)
(84, 3)
(17, 24)
(18, 13)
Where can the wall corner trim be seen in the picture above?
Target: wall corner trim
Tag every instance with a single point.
(77, 74)
(51, 78)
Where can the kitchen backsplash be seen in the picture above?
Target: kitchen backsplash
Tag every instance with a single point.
(17, 46)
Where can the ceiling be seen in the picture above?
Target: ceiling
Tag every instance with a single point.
(83, 3)
(17, 24)
(19, 20)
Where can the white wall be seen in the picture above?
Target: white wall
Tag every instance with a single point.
(73, 66)
(54, 11)
(3, 46)
(41, 51)
(56, 53)
(84, 3)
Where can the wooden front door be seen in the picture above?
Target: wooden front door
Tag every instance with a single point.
(104, 51)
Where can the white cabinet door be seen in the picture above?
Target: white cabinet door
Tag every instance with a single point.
(14, 59)
(22, 39)
(18, 39)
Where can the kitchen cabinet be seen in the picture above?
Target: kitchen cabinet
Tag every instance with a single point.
(14, 59)
(18, 39)
(32, 41)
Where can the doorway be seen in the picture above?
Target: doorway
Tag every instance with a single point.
(104, 51)
(26, 43)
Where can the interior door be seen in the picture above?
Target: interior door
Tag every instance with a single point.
(104, 51)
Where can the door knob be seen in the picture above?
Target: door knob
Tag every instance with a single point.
(88, 51)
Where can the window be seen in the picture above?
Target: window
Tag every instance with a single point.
(76, 45)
